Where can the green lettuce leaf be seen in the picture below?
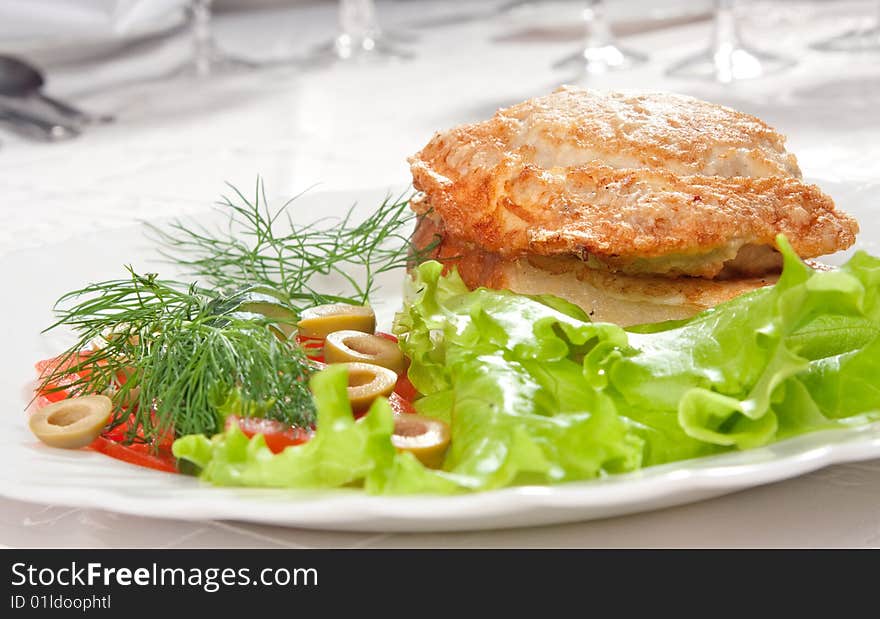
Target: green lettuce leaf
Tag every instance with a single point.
(536, 393)
(779, 361)
(342, 452)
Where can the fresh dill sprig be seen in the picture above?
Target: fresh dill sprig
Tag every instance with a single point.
(174, 356)
(250, 249)
(179, 356)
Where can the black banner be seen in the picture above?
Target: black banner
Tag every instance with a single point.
(116, 582)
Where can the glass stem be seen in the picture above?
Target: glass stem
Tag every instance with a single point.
(203, 36)
(597, 31)
(357, 19)
(725, 35)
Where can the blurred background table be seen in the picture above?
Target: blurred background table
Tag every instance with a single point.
(175, 144)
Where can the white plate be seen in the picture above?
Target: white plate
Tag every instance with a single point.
(31, 472)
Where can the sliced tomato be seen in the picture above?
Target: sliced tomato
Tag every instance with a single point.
(387, 336)
(313, 347)
(278, 435)
(405, 389)
(53, 395)
(139, 454)
(58, 389)
(400, 405)
(117, 434)
(40, 401)
(120, 433)
(49, 366)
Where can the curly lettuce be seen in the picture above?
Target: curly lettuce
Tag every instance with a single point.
(343, 451)
(534, 392)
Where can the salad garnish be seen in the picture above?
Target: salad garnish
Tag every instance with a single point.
(256, 375)
(533, 392)
(173, 357)
(178, 357)
(262, 246)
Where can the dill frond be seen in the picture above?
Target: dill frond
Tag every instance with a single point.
(178, 355)
(261, 246)
(172, 354)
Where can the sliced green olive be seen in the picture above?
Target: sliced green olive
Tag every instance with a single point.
(72, 423)
(355, 346)
(425, 438)
(321, 320)
(366, 382)
(124, 396)
(284, 316)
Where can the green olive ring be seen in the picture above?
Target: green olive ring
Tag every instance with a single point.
(72, 423)
(355, 346)
(366, 382)
(321, 320)
(125, 396)
(425, 438)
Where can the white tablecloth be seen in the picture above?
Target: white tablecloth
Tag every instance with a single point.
(175, 144)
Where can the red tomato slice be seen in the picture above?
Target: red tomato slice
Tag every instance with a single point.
(57, 389)
(278, 435)
(118, 434)
(313, 347)
(405, 389)
(42, 400)
(139, 454)
(50, 366)
(47, 366)
(400, 405)
(387, 336)
(53, 396)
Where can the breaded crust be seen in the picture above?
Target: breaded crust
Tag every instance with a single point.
(648, 183)
(606, 297)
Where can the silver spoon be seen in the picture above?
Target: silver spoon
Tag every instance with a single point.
(34, 126)
(22, 80)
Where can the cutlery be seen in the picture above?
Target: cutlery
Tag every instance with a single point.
(19, 79)
(34, 126)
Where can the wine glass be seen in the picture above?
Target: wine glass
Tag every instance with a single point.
(207, 58)
(600, 51)
(860, 40)
(728, 59)
(360, 38)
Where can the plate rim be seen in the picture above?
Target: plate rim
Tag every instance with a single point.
(664, 485)
(352, 510)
